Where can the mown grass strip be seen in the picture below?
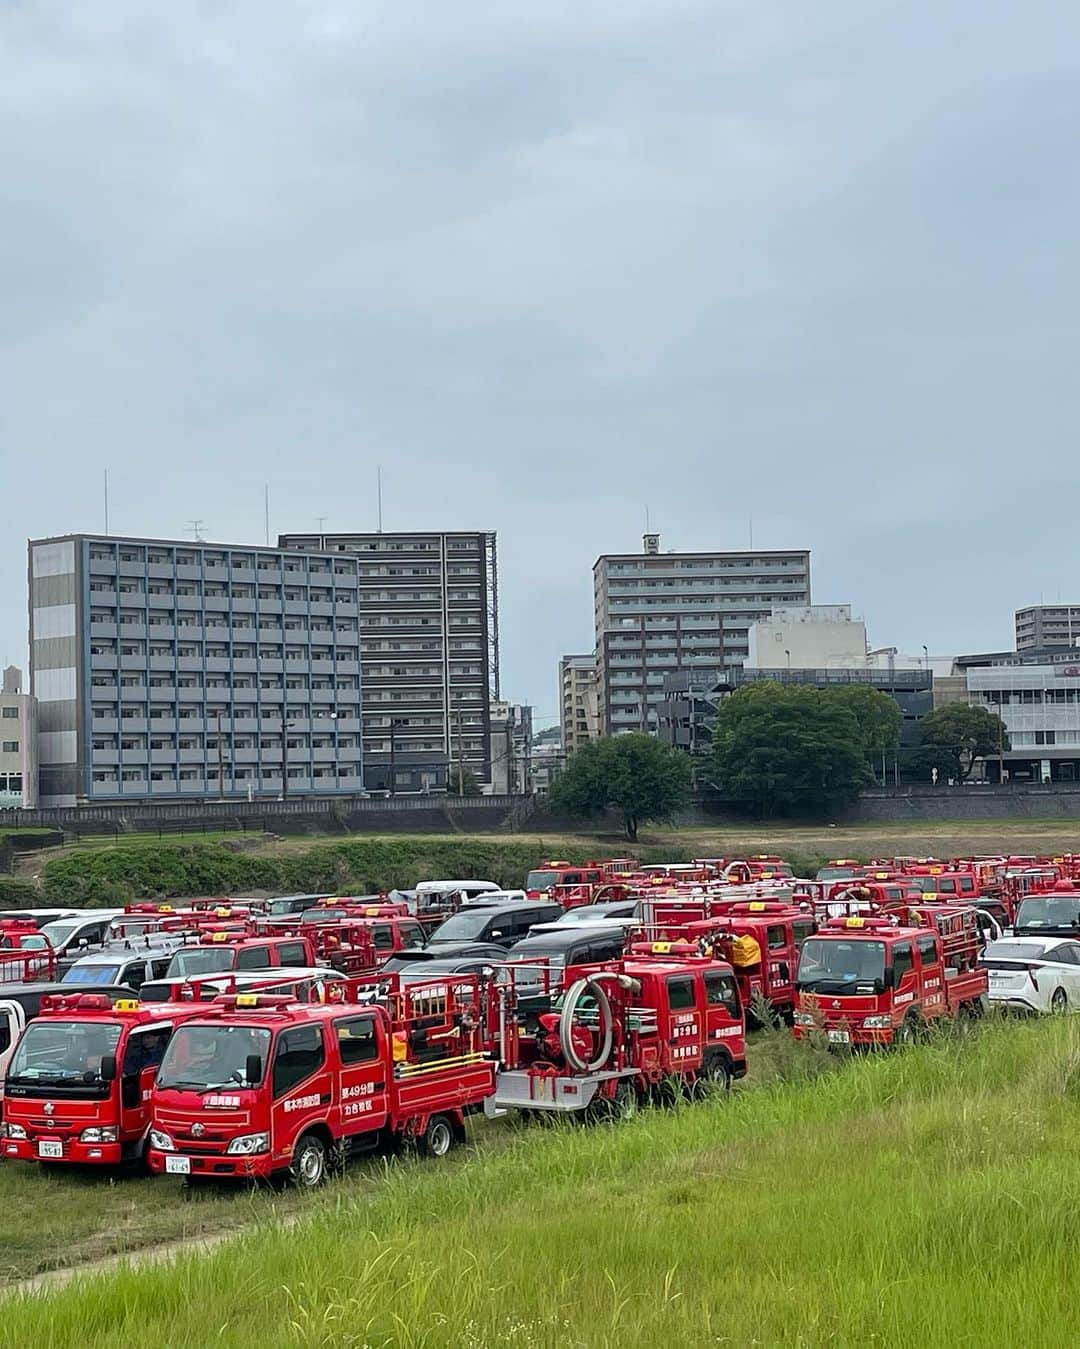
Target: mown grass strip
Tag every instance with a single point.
(914, 1199)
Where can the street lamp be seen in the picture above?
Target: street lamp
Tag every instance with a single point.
(788, 654)
(926, 656)
(286, 727)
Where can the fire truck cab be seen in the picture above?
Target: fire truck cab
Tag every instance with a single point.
(260, 1085)
(880, 980)
(78, 1084)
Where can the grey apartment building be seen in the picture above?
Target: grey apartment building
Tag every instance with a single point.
(168, 669)
(429, 651)
(1042, 627)
(657, 612)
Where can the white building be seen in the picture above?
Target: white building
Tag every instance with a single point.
(807, 637)
(1040, 706)
(18, 742)
(579, 718)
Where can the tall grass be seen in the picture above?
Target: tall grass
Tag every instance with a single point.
(915, 1199)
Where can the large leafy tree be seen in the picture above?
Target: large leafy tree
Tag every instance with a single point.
(788, 749)
(879, 716)
(956, 737)
(634, 774)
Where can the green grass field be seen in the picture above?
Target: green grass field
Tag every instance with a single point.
(911, 1199)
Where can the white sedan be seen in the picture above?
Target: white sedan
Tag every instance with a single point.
(1034, 974)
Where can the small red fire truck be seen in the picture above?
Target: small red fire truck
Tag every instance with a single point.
(260, 1085)
(881, 980)
(78, 1085)
(621, 1033)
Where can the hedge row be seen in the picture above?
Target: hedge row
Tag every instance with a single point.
(122, 875)
(18, 894)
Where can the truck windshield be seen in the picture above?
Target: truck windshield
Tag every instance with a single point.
(463, 926)
(1048, 913)
(93, 974)
(60, 1052)
(204, 1058)
(58, 933)
(541, 880)
(831, 966)
(200, 960)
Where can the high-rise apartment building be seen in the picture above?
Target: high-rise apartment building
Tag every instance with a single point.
(168, 669)
(660, 612)
(1042, 627)
(18, 742)
(429, 650)
(578, 707)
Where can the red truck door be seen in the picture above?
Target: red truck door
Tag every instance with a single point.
(365, 1056)
(905, 980)
(779, 962)
(141, 1059)
(932, 974)
(684, 1036)
(301, 1085)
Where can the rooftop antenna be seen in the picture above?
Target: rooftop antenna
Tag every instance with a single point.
(320, 520)
(266, 511)
(106, 501)
(196, 528)
(648, 526)
(378, 480)
(751, 533)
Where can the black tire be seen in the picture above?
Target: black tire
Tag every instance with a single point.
(438, 1138)
(906, 1033)
(1059, 1001)
(307, 1170)
(714, 1078)
(615, 1109)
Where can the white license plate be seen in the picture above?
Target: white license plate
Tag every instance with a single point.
(47, 1149)
(839, 1037)
(178, 1166)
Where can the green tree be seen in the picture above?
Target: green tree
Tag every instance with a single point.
(879, 717)
(463, 784)
(956, 737)
(633, 773)
(788, 749)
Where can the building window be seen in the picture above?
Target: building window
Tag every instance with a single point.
(10, 746)
(11, 713)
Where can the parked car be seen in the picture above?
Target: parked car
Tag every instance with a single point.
(450, 950)
(114, 968)
(77, 936)
(558, 948)
(598, 913)
(292, 979)
(502, 924)
(1050, 915)
(287, 906)
(435, 969)
(1034, 974)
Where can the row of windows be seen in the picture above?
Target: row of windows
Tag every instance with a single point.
(192, 712)
(217, 557)
(238, 774)
(106, 743)
(106, 646)
(133, 591)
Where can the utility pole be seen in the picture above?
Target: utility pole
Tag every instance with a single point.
(393, 763)
(1001, 739)
(220, 760)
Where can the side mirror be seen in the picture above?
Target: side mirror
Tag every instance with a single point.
(496, 935)
(253, 1069)
(83, 941)
(108, 1067)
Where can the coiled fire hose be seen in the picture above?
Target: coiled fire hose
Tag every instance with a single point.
(590, 984)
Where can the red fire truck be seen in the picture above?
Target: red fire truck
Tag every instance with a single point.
(621, 1033)
(260, 1085)
(78, 1085)
(881, 980)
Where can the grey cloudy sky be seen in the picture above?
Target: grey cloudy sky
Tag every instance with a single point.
(549, 263)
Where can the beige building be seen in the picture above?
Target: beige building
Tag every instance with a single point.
(18, 742)
(579, 713)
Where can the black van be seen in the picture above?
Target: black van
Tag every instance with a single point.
(501, 924)
(574, 945)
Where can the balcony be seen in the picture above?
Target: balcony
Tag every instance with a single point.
(100, 628)
(133, 758)
(104, 758)
(137, 693)
(217, 603)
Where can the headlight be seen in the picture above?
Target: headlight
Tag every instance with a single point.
(248, 1143)
(877, 1022)
(161, 1141)
(803, 1019)
(14, 1131)
(95, 1135)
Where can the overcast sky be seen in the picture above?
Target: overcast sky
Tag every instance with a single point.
(551, 264)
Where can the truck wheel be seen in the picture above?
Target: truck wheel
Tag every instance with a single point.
(1059, 1002)
(715, 1077)
(438, 1137)
(308, 1169)
(907, 1032)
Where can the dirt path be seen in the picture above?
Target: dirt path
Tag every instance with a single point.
(53, 1280)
